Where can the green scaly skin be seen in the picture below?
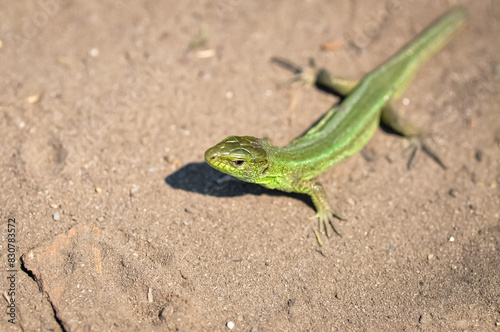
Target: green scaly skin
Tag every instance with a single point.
(343, 130)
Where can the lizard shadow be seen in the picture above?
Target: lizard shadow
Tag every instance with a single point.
(202, 179)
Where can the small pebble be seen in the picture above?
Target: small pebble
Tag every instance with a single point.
(94, 52)
(452, 239)
(150, 295)
(430, 257)
(33, 99)
(98, 190)
(479, 155)
(425, 318)
(210, 53)
(453, 193)
(56, 216)
(230, 325)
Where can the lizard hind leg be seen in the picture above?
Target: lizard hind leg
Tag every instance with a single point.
(412, 132)
(303, 75)
(418, 143)
(311, 75)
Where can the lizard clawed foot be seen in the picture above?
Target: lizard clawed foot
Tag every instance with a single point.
(325, 217)
(306, 76)
(417, 143)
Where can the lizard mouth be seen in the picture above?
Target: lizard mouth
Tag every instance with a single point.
(216, 159)
(213, 158)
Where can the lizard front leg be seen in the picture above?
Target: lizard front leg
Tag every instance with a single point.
(324, 212)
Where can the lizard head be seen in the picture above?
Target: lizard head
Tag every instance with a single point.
(243, 157)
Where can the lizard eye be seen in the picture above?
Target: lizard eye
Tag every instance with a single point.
(239, 162)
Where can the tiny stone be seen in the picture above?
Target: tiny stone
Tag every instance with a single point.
(205, 54)
(33, 99)
(452, 239)
(453, 193)
(479, 155)
(98, 190)
(56, 216)
(350, 201)
(94, 52)
(230, 325)
(425, 318)
(150, 295)
(430, 257)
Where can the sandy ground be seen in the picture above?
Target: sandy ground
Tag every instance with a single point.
(106, 111)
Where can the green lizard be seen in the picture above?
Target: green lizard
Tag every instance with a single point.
(343, 130)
